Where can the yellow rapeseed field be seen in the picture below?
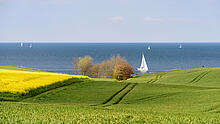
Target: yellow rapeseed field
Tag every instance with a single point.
(15, 81)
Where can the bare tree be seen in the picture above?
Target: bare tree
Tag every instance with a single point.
(110, 64)
(120, 60)
(85, 65)
(95, 71)
(76, 65)
(123, 71)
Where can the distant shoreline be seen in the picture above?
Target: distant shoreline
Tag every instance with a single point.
(32, 41)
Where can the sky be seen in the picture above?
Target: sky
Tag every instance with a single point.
(110, 20)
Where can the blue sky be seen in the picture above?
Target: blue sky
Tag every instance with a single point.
(110, 20)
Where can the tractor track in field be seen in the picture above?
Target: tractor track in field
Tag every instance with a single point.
(212, 109)
(157, 96)
(199, 77)
(120, 98)
(115, 94)
(158, 76)
(127, 88)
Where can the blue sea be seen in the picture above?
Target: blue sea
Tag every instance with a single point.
(57, 57)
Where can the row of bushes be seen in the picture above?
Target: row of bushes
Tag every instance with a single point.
(116, 67)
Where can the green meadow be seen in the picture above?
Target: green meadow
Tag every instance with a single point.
(19, 68)
(177, 96)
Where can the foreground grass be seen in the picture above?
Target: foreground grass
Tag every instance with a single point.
(56, 113)
(177, 96)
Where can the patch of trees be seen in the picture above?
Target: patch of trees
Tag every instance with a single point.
(115, 67)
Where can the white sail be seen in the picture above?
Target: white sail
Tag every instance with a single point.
(21, 44)
(30, 45)
(148, 47)
(143, 68)
(180, 46)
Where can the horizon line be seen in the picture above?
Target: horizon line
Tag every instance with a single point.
(35, 41)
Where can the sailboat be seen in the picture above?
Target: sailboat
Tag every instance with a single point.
(30, 45)
(143, 68)
(21, 44)
(180, 46)
(148, 47)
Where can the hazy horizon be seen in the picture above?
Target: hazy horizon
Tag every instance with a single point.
(110, 41)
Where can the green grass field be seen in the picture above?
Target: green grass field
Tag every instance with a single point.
(19, 68)
(177, 96)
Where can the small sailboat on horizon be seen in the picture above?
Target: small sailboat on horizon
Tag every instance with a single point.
(148, 48)
(180, 46)
(21, 44)
(30, 45)
(143, 68)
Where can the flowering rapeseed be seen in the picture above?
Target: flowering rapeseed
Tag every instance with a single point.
(15, 81)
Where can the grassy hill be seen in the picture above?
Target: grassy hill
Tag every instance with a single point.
(19, 68)
(177, 96)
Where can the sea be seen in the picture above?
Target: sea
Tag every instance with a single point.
(58, 57)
